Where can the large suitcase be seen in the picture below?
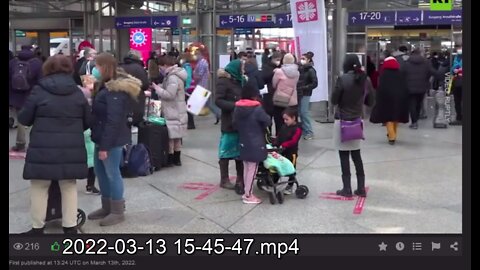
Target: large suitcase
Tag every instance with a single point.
(155, 138)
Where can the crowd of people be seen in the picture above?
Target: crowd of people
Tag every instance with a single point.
(79, 125)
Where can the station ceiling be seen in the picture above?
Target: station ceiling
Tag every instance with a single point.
(74, 8)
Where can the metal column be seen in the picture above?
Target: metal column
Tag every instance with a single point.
(100, 30)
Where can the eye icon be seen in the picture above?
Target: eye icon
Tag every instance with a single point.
(18, 246)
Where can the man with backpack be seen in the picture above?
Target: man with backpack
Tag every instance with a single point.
(24, 73)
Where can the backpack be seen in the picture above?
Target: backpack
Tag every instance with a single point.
(136, 161)
(137, 110)
(21, 74)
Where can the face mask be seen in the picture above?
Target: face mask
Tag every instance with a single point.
(276, 63)
(182, 62)
(96, 74)
(459, 52)
(303, 62)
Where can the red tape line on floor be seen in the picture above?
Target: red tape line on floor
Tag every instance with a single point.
(360, 204)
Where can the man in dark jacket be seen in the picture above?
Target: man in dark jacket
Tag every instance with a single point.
(17, 97)
(228, 91)
(267, 74)
(58, 113)
(133, 65)
(417, 71)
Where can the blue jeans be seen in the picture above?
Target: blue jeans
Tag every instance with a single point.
(108, 173)
(305, 116)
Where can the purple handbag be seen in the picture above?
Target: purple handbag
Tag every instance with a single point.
(351, 130)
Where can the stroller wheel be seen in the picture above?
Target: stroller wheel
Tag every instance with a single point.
(81, 217)
(273, 198)
(301, 192)
(280, 197)
(260, 183)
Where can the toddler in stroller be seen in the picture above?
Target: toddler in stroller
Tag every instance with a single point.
(281, 161)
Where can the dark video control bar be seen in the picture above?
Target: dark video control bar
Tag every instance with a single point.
(276, 246)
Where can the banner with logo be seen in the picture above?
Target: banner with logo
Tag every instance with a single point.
(310, 28)
(141, 40)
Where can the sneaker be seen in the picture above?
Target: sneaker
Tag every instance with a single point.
(413, 126)
(391, 142)
(92, 190)
(251, 199)
(288, 190)
(308, 137)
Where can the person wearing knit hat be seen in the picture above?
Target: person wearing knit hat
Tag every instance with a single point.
(284, 83)
(391, 105)
(288, 59)
(228, 91)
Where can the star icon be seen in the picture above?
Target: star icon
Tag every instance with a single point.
(383, 246)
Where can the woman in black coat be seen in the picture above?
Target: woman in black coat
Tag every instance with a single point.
(228, 91)
(391, 99)
(59, 114)
(251, 120)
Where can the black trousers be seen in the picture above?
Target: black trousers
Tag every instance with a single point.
(278, 118)
(457, 98)
(91, 177)
(357, 161)
(416, 102)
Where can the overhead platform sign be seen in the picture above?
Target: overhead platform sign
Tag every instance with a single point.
(165, 21)
(133, 22)
(147, 22)
(405, 17)
(255, 21)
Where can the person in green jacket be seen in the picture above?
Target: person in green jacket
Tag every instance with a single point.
(90, 146)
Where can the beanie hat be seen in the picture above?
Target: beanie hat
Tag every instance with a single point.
(288, 59)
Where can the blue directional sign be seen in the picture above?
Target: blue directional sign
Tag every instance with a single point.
(283, 20)
(133, 22)
(371, 18)
(409, 17)
(165, 21)
(243, 31)
(405, 17)
(255, 21)
(442, 17)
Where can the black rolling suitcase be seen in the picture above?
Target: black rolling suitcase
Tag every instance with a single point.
(155, 138)
(54, 205)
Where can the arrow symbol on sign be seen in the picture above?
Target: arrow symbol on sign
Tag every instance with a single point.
(354, 19)
(118, 24)
(155, 23)
(280, 20)
(417, 19)
(223, 22)
(407, 19)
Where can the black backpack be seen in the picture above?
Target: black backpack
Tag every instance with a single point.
(137, 110)
(21, 75)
